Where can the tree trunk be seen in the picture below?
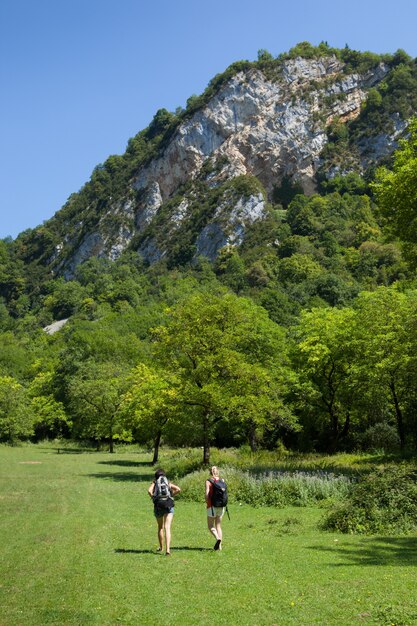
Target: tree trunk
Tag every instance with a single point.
(329, 403)
(346, 427)
(399, 416)
(252, 437)
(111, 443)
(206, 441)
(334, 429)
(156, 447)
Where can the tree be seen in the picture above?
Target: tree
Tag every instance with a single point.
(374, 99)
(49, 416)
(96, 395)
(14, 355)
(264, 56)
(297, 268)
(324, 358)
(387, 351)
(150, 403)
(396, 189)
(231, 269)
(12, 281)
(65, 299)
(15, 421)
(230, 360)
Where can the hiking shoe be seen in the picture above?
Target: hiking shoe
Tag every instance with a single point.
(217, 544)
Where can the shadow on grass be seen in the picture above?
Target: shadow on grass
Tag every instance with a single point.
(122, 463)
(176, 549)
(401, 551)
(378, 458)
(75, 450)
(132, 551)
(193, 548)
(124, 476)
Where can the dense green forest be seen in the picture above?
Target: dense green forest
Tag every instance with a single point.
(304, 336)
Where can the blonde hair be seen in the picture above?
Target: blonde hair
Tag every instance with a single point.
(214, 471)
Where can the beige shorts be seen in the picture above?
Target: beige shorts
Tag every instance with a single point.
(215, 511)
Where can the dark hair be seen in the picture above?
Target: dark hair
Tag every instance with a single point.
(158, 473)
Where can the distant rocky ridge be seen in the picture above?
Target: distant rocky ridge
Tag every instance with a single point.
(252, 127)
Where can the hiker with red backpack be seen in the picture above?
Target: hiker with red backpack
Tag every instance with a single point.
(216, 501)
(162, 493)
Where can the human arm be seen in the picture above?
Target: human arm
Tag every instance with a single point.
(151, 489)
(208, 491)
(174, 489)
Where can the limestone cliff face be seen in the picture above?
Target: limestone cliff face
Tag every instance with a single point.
(253, 126)
(268, 129)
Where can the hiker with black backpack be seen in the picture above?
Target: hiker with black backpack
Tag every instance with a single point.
(216, 501)
(162, 493)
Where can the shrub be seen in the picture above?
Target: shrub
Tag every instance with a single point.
(180, 463)
(385, 501)
(380, 436)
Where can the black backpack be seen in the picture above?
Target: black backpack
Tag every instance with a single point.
(162, 494)
(219, 496)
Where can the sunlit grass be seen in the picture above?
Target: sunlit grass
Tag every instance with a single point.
(79, 540)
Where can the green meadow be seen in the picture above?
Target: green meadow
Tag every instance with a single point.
(79, 547)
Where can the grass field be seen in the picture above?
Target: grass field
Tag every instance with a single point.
(78, 547)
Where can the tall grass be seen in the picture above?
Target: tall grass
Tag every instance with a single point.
(180, 462)
(272, 488)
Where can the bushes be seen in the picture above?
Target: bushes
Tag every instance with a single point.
(380, 436)
(385, 501)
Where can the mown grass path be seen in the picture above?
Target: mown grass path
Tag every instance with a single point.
(78, 544)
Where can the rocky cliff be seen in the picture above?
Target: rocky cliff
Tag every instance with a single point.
(218, 171)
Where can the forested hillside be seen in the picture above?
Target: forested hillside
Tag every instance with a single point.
(223, 285)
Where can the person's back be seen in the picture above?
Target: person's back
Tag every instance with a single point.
(216, 499)
(162, 491)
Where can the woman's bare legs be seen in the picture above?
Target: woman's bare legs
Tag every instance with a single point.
(211, 523)
(164, 530)
(160, 522)
(168, 519)
(219, 529)
(215, 527)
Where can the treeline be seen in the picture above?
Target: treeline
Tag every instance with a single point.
(305, 336)
(203, 365)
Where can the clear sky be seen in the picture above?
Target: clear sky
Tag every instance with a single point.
(78, 78)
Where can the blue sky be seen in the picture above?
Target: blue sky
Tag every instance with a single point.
(80, 77)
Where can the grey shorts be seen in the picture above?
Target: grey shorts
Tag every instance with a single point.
(215, 511)
(161, 512)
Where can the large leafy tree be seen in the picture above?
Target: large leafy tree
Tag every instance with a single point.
(150, 404)
(49, 416)
(324, 357)
(15, 422)
(96, 395)
(386, 351)
(230, 361)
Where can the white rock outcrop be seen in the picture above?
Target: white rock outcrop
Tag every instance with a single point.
(228, 225)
